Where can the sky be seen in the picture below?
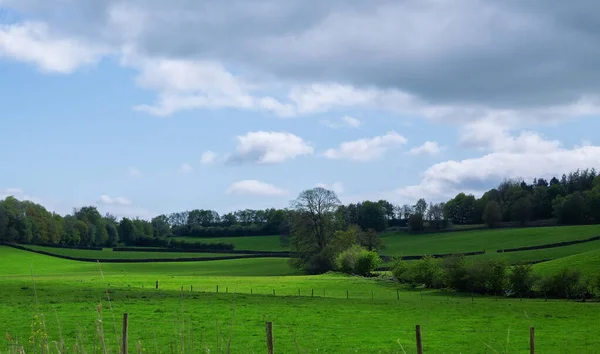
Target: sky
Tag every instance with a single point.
(147, 107)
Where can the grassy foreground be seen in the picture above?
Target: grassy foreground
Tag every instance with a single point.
(372, 320)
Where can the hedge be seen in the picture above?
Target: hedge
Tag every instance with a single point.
(549, 245)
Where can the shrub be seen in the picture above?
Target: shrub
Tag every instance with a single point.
(565, 284)
(455, 273)
(428, 272)
(357, 260)
(346, 260)
(521, 279)
(415, 223)
(319, 263)
(401, 271)
(486, 276)
(367, 262)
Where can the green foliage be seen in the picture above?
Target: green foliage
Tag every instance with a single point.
(492, 214)
(521, 279)
(567, 283)
(370, 240)
(357, 260)
(415, 223)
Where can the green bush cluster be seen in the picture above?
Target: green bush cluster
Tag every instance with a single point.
(357, 260)
(486, 276)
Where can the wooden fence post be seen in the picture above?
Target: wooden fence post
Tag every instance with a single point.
(125, 325)
(312, 293)
(217, 288)
(157, 284)
(419, 343)
(397, 294)
(531, 340)
(270, 337)
(347, 296)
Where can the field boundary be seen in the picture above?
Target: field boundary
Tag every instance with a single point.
(200, 250)
(548, 245)
(443, 255)
(138, 260)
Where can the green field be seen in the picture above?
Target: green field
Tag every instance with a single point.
(588, 263)
(108, 253)
(251, 243)
(478, 240)
(372, 320)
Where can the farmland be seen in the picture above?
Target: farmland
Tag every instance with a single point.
(354, 314)
(252, 243)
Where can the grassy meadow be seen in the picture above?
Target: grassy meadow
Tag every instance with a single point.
(371, 320)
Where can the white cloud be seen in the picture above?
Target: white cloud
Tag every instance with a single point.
(255, 187)
(346, 121)
(428, 148)
(269, 147)
(106, 200)
(366, 149)
(527, 156)
(134, 172)
(19, 194)
(351, 121)
(337, 187)
(33, 42)
(208, 157)
(185, 168)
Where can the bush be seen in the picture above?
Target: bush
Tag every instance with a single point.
(521, 279)
(455, 273)
(346, 260)
(486, 276)
(367, 262)
(565, 284)
(401, 271)
(357, 260)
(428, 272)
(318, 263)
(415, 223)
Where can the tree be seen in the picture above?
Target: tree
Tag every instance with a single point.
(312, 228)
(370, 240)
(371, 216)
(492, 214)
(421, 207)
(415, 223)
(113, 235)
(521, 210)
(160, 226)
(126, 231)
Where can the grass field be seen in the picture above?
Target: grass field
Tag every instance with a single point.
(68, 293)
(252, 243)
(477, 240)
(110, 254)
(588, 263)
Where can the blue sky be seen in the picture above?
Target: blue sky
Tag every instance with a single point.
(140, 111)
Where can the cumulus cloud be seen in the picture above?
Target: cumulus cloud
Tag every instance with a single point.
(337, 187)
(269, 147)
(254, 187)
(33, 42)
(428, 148)
(366, 149)
(527, 155)
(208, 157)
(107, 200)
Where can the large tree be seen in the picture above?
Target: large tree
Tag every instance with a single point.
(312, 225)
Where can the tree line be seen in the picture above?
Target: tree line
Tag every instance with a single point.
(571, 199)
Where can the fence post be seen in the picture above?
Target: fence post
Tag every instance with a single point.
(531, 340)
(217, 288)
(298, 292)
(397, 294)
(270, 337)
(125, 325)
(419, 343)
(157, 284)
(312, 294)
(250, 291)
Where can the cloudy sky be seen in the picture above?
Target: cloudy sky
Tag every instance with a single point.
(144, 107)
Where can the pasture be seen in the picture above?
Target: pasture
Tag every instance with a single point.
(378, 315)
(248, 243)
